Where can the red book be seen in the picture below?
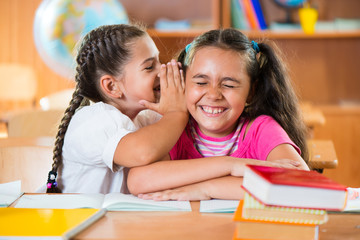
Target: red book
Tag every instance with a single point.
(293, 188)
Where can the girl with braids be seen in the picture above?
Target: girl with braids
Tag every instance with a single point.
(243, 110)
(118, 70)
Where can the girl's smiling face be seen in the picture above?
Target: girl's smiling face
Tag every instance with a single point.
(217, 87)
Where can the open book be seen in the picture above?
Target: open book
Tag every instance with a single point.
(218, 206)
(9, 192)
(110, 201)
(353, 200)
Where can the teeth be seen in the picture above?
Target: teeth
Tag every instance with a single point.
(212, 110)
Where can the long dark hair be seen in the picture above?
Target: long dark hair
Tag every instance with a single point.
(104, 50)
(271, 92)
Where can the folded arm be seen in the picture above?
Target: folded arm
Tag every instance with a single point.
(228, 187)
(169, 174)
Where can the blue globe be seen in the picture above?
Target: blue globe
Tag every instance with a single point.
(60, 24)
(290, 3)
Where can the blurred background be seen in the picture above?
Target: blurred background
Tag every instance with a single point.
(38, 39)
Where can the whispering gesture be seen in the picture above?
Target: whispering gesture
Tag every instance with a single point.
(172, 89)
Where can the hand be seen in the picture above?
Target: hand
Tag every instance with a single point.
(172, 89)
(285, 163)
(186, 193)
(238, 165)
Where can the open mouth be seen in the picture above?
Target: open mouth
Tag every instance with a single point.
(156, 89)
(213, 110)
(157, 93)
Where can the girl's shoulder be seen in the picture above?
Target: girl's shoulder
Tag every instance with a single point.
(100, 115)
(147, 117)
(262, 120)
(257, 124)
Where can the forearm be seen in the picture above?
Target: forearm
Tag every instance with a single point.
(150, 143)
(228, 187)
(221, 188)
(175, 173)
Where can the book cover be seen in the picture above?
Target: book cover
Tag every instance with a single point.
(253, 209)
(46, 223)
(9, 192)
(258, 229)
(293, 188)
(250, 14)
(218, 206)
(238, 16)
(110, 201)
(259, 14)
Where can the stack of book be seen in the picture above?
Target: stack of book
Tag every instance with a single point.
(284, 203)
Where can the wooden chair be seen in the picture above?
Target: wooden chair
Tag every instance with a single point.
(313, 117)
(25, 159)
(57, 100)
(34, 123)
(322, 155)
(18, 86)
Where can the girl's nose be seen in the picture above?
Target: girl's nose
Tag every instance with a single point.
(214, 93)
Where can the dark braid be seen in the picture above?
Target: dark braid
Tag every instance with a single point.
(104, 50)
(59, 142)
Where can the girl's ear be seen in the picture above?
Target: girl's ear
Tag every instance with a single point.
(110, 86)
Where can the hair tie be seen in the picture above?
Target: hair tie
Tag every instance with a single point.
(52, 179)
(255, 46)
(187, 47)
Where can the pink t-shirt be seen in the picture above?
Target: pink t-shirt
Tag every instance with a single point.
(263, 136)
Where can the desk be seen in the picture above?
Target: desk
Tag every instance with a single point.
(322, 154)
(27, 141)
(197, 226)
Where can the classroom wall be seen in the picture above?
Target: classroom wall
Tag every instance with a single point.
(17, 44)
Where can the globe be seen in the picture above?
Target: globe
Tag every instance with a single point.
(60, 24)
(288, 5)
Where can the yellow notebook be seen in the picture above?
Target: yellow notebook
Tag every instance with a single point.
(45, 223)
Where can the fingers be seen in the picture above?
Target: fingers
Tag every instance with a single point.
(176, 73)
(163, 78)
(174, 76)
(182, 79)
(149, 105)
(157, 196)
(161, 196)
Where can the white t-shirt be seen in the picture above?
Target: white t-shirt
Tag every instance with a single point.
(89, 146)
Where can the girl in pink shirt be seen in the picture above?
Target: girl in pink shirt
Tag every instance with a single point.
(243, 110)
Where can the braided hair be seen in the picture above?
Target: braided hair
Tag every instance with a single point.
(104, 50)
(271, 92)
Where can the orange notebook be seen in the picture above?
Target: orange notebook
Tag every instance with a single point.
(46, 223)
(265, 230)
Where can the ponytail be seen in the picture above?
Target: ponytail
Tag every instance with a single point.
(275, 96)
